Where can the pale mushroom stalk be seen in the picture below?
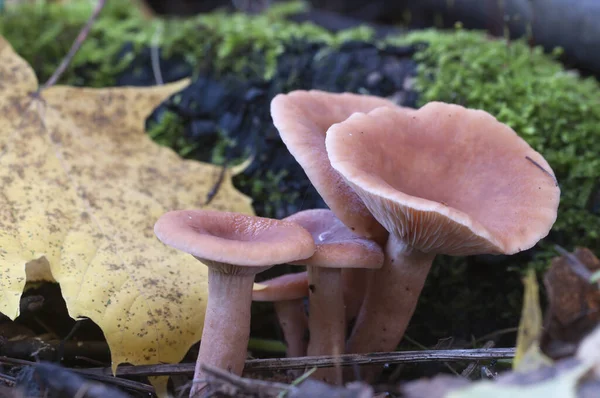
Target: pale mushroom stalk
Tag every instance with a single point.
(226, 329)
(294, 325)
(391, 299)
(287, 292)
(337, 248)
(327, 319)
(234, 247)
(354, 284)
(229, 301)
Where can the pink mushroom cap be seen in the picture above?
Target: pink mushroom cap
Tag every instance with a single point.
(303, 118)
(446, 179)
(337, 245)
(234, 238)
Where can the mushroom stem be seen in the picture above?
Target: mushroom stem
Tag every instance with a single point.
(326, 318)
(294, 324)
(226, 325)
(354, 282)
(390, 300)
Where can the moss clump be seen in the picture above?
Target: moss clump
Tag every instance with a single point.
(169, 132)
(270, 190)
(555, 111)
(264, 36)
(42, 32)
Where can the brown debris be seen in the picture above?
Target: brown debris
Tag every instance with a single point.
(573, 302)
(224, 384)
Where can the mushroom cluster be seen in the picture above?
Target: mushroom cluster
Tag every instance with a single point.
(402, 185)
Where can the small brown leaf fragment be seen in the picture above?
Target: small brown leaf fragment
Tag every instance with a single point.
(573, 303)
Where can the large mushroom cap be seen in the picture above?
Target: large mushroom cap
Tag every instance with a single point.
(446, 179)
(337, 245)
(302, 118)
(234, 238)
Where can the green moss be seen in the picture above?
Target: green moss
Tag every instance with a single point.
(43, 33)
(269, 192)
(555, 111)
(169, 132)
(239, 34)
(247, 45)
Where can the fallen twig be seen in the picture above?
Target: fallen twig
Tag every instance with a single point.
(75, 47)
(227, 384)
(107, 378)
(50, 350)
(8, 380)
(221, 177)
(54, 380)
(221, 381)
(577, 266)
(217, 185)
(319, 362)
(124, 383)
(155, 55)
(105, 374)
(473, 365)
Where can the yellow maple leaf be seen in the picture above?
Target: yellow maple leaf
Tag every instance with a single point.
(82, 186)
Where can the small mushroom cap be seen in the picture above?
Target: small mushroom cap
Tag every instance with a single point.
(234, 238)
(282, 288)
(337, 245)
(446, 179)
(302, 118)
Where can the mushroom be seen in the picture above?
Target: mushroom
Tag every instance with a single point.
(303, 118)
(441, 180)
(234, 247)
(287, 292)
(337, 248)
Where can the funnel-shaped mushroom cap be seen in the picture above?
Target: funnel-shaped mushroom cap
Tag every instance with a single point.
(302, 118)
(337, 246)
(234, 238)
(282, 288)
(446, 179)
